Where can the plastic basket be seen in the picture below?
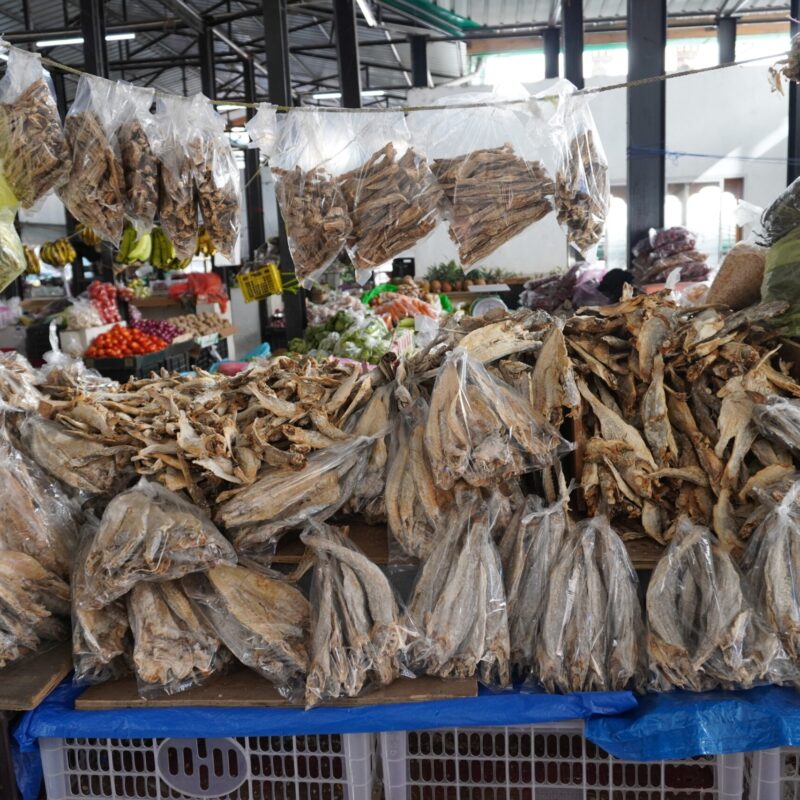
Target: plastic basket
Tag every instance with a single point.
(259, 283)
(325, 767)
(541, 762)
(775, 774)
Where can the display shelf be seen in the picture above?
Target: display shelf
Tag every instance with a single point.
(25, 683)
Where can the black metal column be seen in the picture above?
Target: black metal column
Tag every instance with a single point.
(344, 16)
(572, 19)
(93, 30)
(647, 38)
(208, 75)
(726, 38)
(419, 59)
(552, 47)
(793, 154)
(276, 43)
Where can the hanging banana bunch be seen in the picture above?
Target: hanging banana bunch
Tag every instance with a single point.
(163, 252)
(32, 264)
(87, 235)
(133, 250)
(205, 246)
(58, 253)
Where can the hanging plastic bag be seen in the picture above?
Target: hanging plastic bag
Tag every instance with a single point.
(263, 129)
(583, 193)
(782, 281)
(95, 191)
(12, 255)
(216, 176)
(358, 635)
(392, 197)
(174, 649)
(260, 617)
(150, 534)
(705, 630)
(308, 156)
(33, 151)
(458, 603)
(137, 135)
(591, 630)
(484, 160)
(177, 199)
(480, 430)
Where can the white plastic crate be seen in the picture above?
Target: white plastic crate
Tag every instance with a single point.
(775, 774)
(541, 762)
(324, 767)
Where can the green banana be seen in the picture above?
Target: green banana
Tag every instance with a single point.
(126, 245)
(142, 249)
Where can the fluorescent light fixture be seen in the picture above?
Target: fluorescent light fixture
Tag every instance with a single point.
(367, 12)
(337, 95)
(111, 37)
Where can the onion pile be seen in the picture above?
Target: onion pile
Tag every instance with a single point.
(158, 327)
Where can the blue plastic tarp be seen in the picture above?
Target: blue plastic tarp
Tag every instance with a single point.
(684, 724)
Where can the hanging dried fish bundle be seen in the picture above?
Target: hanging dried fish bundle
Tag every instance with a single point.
(357, 633)
(494, 194)
(392, 202)
(591, 631)
(140, 168)
(262, 620)
(458, 605)
(704, 630)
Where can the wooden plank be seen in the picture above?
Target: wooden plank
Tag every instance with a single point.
(243, 688)
(155, 301)
(645, 553)
(25, 683)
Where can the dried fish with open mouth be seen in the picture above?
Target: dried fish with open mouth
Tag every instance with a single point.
(357, 632)
(149, 534)
(704, 630)
(591, 630)
(173, 649)
(458, 605)
(480, 430)
(262, 620)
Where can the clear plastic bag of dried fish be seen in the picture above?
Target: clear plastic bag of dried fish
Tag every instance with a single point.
(494, 181)
(39, 519)
(261, 618)
(136, 135)
(12, 255)
(18, 383)
(307, 159)
(174, 648)
(778, 418)
(392, 197)
(34, 607)
(95, 191)
(480, 430)
(216, 176)
(33, 150)
(458, 605)
(177, 199)
(358, 634)
(705, 630)
(591, 633)
(150, 534)
(583, 192)
(257, 516)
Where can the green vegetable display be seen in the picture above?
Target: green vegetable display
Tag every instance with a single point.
(349, 334)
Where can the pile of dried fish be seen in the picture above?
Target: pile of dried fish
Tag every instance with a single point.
(315, 213)
(591, 631)
(494, 195)
(458, 606)
(357, 634)
(34, 606)
(173, 648)
(704, 631)
(263, 620)
(149, 534)
(582, 192)
(392, 203)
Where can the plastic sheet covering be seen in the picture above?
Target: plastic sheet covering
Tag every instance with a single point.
(263, 129)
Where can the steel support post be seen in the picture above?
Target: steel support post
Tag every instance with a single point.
(419, 60)
(793, 154)
(572, 22)
(726, 38)
(647, 38)
(208, 74)
(552, 47)
(276, 43)
(344, 16)
(93, 30)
